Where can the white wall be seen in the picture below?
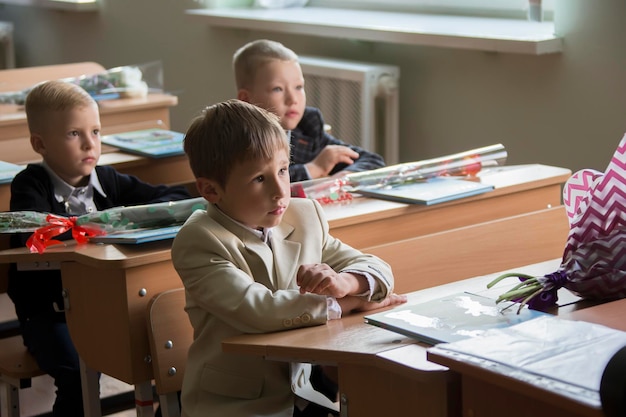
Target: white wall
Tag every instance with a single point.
(565, 109)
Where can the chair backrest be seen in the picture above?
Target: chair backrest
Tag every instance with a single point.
(4, 268)
(479, 249)
(18, 79)
(170, 335)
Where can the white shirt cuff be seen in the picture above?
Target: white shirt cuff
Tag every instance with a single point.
(334, 309)
(371, 283)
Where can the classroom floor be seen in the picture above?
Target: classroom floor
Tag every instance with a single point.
(38, 399)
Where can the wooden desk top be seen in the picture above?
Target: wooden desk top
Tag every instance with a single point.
(609, 314)
(351, 340)
(505, 179)
(100, 256)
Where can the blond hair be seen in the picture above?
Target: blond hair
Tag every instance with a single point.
(231, 132)
(251, 56)
(50, 96)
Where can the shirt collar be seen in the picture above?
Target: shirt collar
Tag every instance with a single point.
(63, 189)
(264, 234)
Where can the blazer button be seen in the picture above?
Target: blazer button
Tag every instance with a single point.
(287, 323)
(297, 321)
(306, 317)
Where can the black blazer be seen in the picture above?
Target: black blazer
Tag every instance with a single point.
(309, 138)
(34, 292)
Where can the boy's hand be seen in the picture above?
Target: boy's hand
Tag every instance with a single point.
(351, 304)
(330, 156)
(322, 279)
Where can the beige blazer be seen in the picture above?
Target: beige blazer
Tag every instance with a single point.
(236, 284)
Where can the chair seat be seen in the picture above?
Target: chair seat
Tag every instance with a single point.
(15, 361)
(17, 368)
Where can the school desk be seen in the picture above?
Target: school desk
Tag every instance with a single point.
(131, 275)
(366, 222)
(108, 288)
(119, 115)
(386, 374)
(116, 116)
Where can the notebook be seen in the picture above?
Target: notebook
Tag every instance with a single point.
(8, 171)
(431, 191)
(448, 319)
(156, 143)
(134, 237)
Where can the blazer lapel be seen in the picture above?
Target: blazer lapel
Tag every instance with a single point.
(260, 260)
(258, 255)
(286, 255)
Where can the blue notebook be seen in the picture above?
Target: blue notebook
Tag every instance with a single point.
(156, 143)
(432, 191)
(8, 171)
(448, 319)
(134, 237)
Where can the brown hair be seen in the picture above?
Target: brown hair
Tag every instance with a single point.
(53, 96)
(228, 133)
(252, 55)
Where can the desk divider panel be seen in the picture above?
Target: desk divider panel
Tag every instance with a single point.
(440, 258)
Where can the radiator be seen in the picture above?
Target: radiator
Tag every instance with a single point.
(359, 101)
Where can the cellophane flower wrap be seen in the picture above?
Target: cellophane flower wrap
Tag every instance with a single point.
(341, 189)
(120, 82)
(594, 259)
(46, 226)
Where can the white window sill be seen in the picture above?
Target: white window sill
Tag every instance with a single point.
(476, 33)
(68, 5)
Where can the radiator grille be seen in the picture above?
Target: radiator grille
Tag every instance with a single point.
(358, 100)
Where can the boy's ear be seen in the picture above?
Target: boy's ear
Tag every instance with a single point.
(36, 142)
(209, 189)
(243, 95)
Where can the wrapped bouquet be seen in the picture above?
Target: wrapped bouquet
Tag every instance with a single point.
(118, 82)
(339, 190)
(594, 259)
(46, 226)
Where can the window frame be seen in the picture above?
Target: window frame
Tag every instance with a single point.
(486, 8)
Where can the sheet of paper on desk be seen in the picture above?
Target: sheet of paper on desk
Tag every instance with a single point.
(432, 191)
(447, 319)
(155, 143)
(8, 171)
(560, 355)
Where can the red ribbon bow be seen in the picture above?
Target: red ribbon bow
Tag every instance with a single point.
(57, 225)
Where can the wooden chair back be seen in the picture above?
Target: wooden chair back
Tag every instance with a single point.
(18, 79)
(479, 249)
(4, 268)
(9, 326)
(170, 335)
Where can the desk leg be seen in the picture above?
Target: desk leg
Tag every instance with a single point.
(91, 390)
(144, 402)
